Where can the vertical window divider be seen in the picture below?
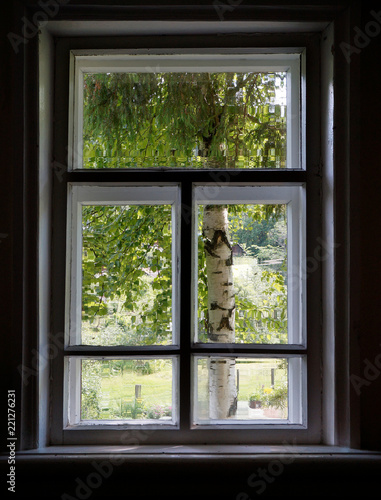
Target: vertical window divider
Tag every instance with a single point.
(185, 306)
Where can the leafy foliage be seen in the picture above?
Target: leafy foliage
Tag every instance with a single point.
(272, 397)
(91, 386)
(228, 120)
(198, 120)
(214, 119)
(260, 292)
(126, 286)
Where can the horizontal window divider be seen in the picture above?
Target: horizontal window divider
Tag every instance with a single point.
(130, 351)
(115, 426)
(178, 175)
(232, 349)
(241, 426)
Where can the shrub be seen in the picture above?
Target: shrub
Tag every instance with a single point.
(157, 411)
(276, 397)
(256, 396)
(134, 409)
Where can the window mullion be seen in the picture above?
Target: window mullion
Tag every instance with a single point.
(173, 176)
(121, 350)
(242, 349)
(185, 306)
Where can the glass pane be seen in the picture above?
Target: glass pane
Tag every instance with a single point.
(126, 275)
(241, 389)
(127, 389)
(242, 274)
(191, 120)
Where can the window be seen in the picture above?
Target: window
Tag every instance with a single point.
(248, 302)
(122, 249)
(186, 238)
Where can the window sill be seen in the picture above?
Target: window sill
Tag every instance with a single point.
(204, 452)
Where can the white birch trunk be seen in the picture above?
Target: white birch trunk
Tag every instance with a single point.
(221, 309)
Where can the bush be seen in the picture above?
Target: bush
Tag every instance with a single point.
(278, 397)
(144, 368)
(134, 410)
(157, 411)
(91, 385)
(256, 396)
(269, 397)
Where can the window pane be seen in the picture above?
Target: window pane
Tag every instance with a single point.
(127, 389)
(191, 120)
(236, 389)
(242, 273)
(126, 275)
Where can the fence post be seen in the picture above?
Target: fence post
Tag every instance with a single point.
(138, 391)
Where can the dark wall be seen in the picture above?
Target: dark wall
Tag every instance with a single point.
(201, 480)
(368, 231)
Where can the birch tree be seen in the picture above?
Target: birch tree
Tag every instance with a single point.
(221, 309)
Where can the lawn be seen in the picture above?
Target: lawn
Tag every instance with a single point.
(253, 375)
(117, 386)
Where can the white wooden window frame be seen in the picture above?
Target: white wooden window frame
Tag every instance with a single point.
(79, 195)
(139, 61)
(296, 402)
(294, 198)
(82, 194)
(72, 405)
(271, 431)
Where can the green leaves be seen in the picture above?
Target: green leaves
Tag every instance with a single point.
(260, 290)
(172, 119)
(183, 119)
(126, 281)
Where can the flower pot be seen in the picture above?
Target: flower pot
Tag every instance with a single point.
(255, 404)
(273, 412)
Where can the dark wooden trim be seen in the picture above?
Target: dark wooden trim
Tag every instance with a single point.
(173, 10)
(248, 349)
(121, 351)
(190, 176)
(185, 368)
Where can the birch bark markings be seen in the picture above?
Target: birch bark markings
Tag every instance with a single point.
(221, 309)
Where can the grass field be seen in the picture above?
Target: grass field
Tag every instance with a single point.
(253, 374)
(117, 388)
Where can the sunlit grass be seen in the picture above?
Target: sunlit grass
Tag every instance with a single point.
(156, 388)
(252, 376)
